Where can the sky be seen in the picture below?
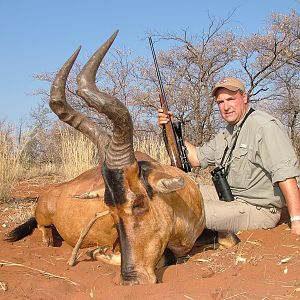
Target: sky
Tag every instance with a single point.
(39, 35)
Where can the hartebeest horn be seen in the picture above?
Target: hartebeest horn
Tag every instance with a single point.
(120, 149)
(67, 114)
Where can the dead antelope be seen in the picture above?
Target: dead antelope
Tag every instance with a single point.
(153, 208)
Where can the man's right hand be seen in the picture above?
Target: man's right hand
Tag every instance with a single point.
(164, 118)
(191, 149)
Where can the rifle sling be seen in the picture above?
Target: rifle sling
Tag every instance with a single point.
(251, 110)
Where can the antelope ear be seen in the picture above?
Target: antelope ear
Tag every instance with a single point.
(165, 183)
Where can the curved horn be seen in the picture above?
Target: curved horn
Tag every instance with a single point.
(120, 149)
(67, 114)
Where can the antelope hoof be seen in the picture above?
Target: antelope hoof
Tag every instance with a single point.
(47, 235)
(105, 254)
(227, 240)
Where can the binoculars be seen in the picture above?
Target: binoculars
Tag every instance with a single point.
(221, 184)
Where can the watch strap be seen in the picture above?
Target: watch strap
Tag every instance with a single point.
(295, 218)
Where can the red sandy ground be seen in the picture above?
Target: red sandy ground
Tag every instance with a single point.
(265, 265)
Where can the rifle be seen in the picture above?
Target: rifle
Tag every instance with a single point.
(172, 131)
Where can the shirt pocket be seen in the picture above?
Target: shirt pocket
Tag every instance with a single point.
(239, 169)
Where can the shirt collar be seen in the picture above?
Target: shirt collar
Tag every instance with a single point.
(238, 124)
(230, 129)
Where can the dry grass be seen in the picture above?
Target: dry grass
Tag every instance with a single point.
(10, 157)
(77, 152)
(17, 212)
(153, 146)
(48, 169)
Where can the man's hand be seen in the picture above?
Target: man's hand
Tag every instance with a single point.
(291, 193)
(164, 118)
(191, 149)
(295, 227)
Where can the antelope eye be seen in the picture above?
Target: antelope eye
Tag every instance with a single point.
(139, 205)
(138, 202)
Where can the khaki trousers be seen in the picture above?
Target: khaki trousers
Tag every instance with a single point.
(236, 215)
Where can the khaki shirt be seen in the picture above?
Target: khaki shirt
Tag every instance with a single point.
(263, 155)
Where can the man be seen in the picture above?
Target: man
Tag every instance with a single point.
(262, 166)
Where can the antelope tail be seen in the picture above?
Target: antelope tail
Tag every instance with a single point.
(22, 231)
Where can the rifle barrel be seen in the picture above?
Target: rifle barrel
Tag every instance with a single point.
(158, 72)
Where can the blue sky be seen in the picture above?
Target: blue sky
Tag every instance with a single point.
(39, 35)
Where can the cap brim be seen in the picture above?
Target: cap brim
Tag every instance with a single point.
(228, 87)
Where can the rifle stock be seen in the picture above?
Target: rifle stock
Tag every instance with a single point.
(170, 137)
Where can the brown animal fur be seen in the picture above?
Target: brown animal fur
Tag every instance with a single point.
(152, 206)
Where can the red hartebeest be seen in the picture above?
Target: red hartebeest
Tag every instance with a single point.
(153, 207)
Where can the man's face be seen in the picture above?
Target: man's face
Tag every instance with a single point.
(232, 105)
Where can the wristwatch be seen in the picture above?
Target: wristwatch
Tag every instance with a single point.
(295, 218)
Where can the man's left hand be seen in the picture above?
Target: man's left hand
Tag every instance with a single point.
(295, 227)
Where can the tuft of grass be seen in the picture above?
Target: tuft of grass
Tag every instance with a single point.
(46, 169)
(18, 211)
(153, 146)
(78, 153)
(10, 158)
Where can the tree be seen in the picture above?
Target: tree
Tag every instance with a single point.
(189, 70)
(268, 61)
(41, 147)
(262, 55)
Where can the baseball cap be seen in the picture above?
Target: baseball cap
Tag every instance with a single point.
(229, 83)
